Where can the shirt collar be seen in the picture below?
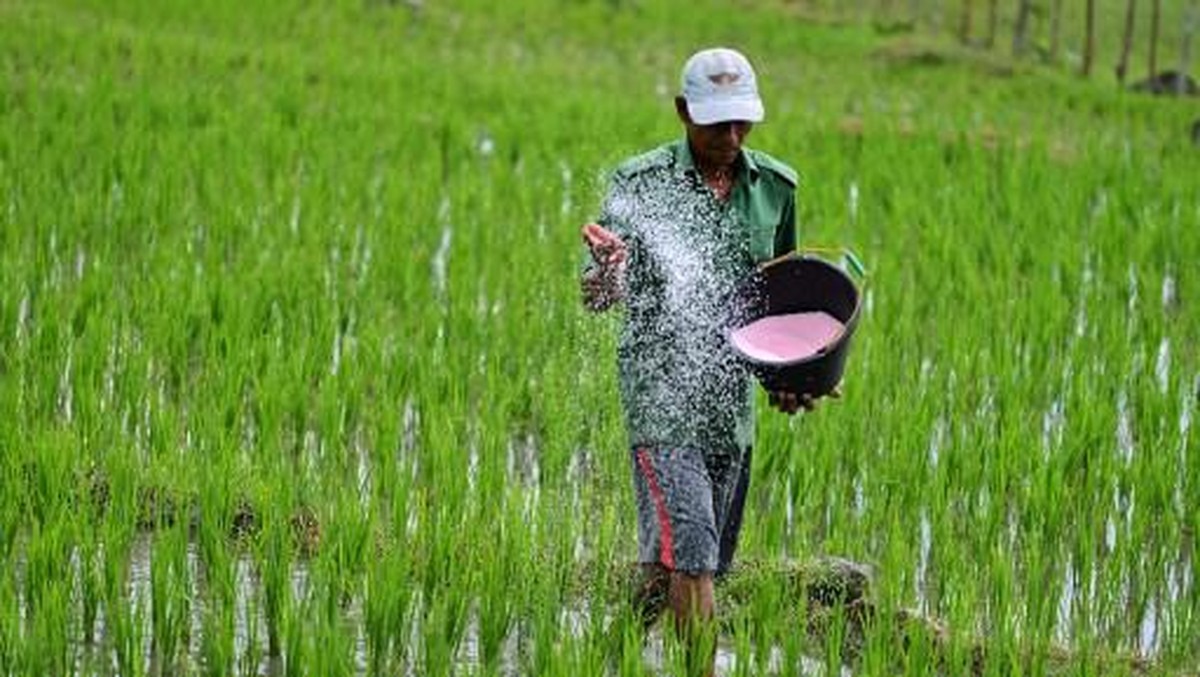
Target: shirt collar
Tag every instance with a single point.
(687, 163)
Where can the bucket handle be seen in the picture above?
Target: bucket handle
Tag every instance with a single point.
(849, 260)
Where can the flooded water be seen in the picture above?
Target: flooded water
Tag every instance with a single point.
(922, 578)
(1162, 366)
(1053, 422)
(1148, 625)
(22, 328)
(1124, 432)
(440, 259)
(93, 652)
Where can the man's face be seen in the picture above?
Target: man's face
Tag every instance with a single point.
(716, 144)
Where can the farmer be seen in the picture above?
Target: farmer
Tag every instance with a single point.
(680, 227)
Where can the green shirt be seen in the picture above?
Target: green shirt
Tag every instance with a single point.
(681, 384)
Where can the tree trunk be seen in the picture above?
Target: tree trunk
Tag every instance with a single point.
(993, 19)
(1021, 28)
(1055, 30)
(964, 23)
(1155, 19)
(1089, 40)
(1191, 22)
(1126, 41)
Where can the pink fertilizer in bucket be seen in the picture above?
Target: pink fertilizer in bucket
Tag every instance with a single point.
(800, 314)
(788, 338)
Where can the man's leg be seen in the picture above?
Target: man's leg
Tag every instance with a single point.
(694, 611)
(678, 547)
(651, 592)
(691, 600)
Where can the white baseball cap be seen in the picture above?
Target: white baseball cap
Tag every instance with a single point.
(719, 86)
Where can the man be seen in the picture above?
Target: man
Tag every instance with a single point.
(681, 227)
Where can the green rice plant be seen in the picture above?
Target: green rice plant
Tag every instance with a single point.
(10, 502)
(442, 627)
(274, 565)
(742, 636)
(250, 660)
(332, 644)
(347, 545)
(171, 596)
(1002, 654)
(388, 608)
(498, 566)
(47, 555)
(774, 618)
(124, 619)
(217, 651)
(588, 652)
(835, 640)
(90, 554)
(220, 590)
(295, 651)
(11, 641)
(46, 472)
(629, 637)
(542, 614)
(48, 631)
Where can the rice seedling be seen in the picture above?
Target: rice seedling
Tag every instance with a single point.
(123, 616)
(499, 563)
(443, 624)
(249, 647)
(47, 607)
(294, 651)
(10, 625)
(171, 595)
(387, 608)
(274, 566)
(217, 651)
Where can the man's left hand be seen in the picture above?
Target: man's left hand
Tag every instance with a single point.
(790, 403)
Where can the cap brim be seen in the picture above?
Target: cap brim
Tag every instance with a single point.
(749, 109)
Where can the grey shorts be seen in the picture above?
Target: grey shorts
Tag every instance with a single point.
(689, 507)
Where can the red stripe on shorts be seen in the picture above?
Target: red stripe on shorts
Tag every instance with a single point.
(666, 545)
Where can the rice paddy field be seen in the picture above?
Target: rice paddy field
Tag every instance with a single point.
(295, 378)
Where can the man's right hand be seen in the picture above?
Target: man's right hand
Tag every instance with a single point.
(607, 249)
(602, 285)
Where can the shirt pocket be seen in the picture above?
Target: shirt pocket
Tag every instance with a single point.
(762, 234)
(763, 216)
(762, 240)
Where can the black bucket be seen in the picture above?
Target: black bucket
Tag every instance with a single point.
(798, 283)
